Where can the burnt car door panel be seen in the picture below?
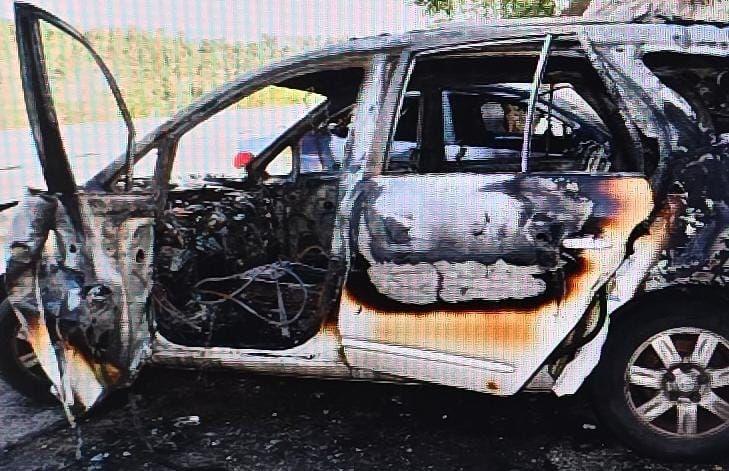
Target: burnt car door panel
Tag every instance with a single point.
(489, 272)
(467, 274)
(79, 270)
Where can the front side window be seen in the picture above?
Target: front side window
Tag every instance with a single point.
(298, 126)
(214, 148)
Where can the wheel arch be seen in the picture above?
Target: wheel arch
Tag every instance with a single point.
(680, 309)
(648, 303)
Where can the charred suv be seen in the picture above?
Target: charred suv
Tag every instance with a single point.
(502, 208)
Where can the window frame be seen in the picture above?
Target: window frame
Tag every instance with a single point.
(217, 101)
(548, 41)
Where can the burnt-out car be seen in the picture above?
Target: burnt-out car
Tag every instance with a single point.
(503, 208)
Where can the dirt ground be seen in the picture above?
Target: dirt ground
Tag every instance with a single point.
(214, 421)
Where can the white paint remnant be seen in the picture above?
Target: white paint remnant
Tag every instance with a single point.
(412, 284)
(459, 282)
(470, 281)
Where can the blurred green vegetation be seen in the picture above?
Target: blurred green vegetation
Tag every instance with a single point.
(157, 73)
(496, 8)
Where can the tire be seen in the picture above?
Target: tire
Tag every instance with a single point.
(18, 366)
(657, 391)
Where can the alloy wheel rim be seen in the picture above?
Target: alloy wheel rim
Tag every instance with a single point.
(677, 382)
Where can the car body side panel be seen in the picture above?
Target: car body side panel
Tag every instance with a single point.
(79, 279)
(684, 241)
(462, 280)
(693, 163)
(692, 178)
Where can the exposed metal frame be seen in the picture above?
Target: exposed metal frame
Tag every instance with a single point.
(28, 32)
(526, 148)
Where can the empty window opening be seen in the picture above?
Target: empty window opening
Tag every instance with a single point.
(473, 109)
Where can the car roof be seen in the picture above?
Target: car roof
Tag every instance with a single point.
(349, 52)
(459, 32)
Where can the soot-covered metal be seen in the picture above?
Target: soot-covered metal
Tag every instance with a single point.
(686, 114)
(492, 239)
(79, 274)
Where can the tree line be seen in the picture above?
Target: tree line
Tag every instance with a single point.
(157, 73)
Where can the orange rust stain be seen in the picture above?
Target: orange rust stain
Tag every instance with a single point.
(449, 330)
(86, 387)
(105, 374)
(506, 332)
(663, 225)
(40, 342)
(330, 333)
(84, 376)
(331, 329)
(492, 386)
(36, 335)
(109, 372)
(634, 202)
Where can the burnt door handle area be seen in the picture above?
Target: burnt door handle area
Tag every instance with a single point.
(588, 242)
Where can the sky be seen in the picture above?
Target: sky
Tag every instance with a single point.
(240, 20)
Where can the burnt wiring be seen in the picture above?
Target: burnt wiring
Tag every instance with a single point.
(270, 274)
(162, 302)
(273, 293)
(253, 259)
(318, 249)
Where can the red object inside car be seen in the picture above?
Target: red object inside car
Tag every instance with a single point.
(242, 159)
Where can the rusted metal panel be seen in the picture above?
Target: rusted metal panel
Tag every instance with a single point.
(684, 240)
(692, 161)
(475, 266)
(82, 293)
(644, 252)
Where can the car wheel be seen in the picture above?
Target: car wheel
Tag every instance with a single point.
(662, 384)
(18, 364)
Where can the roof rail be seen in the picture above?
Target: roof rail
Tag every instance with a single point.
(660, 11)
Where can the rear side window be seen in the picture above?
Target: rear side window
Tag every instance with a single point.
(703, 81)
(485, 125)
(473, 109)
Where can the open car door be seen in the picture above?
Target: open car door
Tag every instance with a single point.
(79, 269)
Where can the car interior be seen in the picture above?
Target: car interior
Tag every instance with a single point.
(241, 256)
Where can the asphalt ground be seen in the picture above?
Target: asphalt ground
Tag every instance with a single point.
(186, 420)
